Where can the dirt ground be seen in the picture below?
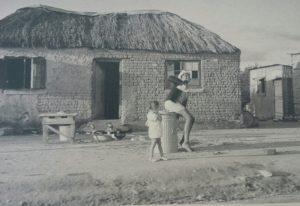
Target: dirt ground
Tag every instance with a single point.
(226, 166)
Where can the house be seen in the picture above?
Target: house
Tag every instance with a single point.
(109, 66)
(296, 81)
(271, 91)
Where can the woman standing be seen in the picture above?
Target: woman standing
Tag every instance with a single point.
(176, 102)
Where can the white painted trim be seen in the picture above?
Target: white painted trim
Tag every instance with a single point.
(190, 90)
(24, 91)
(31, 73)
(196, 90)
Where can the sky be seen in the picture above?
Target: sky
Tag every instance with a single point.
(266, 31)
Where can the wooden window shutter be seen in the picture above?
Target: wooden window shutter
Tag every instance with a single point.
(39, 73)
(200, 76)
(169, 71)
(2, 74)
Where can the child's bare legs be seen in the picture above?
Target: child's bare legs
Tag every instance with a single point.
(160, 150)
(152, 146)
(157, 142)
(189, 121)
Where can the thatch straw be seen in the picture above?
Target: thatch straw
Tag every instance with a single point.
(153, 31)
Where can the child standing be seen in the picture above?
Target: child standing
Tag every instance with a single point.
(154, 125)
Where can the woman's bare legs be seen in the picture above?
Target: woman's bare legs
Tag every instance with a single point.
(189, 121)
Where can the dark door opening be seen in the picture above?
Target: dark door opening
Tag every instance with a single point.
(106, 89)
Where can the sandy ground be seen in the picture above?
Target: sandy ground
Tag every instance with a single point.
(225, 166)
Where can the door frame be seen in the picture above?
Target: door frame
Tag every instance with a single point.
(277, 79)
(93, 92)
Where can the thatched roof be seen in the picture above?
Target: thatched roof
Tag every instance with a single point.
(48, 27)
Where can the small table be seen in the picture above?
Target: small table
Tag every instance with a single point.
(65, 123)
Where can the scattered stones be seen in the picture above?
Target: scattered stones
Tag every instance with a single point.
(200, 197)
(271, 151)
(139, 138)
(23, 203)
(264, 173)
(226, 143)
(241, 179)
(213, 169)
(195, 170)
(218, 153)
(98, 183)
(134, 192)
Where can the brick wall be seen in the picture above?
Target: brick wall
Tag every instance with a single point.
(218, 100)
(69, 86)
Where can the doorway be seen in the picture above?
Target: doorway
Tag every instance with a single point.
(278, 97)
(106, 90)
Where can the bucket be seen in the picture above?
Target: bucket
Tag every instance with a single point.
(66, 131)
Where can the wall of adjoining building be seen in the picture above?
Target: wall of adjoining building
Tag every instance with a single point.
(264, 104)
(296, 82)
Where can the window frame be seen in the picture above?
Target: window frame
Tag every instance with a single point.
(29, 79)
(262, 86)
(193, 87)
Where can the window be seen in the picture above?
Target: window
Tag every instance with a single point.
(173, 68)
(22, 73)
(261, 87)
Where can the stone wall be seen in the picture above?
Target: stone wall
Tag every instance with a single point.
(13, 107)
(69, 86)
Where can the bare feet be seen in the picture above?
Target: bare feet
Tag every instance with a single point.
(187, 147)
(163, 159)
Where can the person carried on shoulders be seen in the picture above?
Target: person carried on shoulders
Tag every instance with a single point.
(176, 101)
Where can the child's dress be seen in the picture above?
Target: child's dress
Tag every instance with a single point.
(154, 124)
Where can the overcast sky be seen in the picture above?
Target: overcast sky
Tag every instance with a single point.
(266, 31)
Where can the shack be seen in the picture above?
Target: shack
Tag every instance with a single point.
(109, 66)
(271, 91)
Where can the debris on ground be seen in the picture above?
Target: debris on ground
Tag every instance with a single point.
(167, 188)
(110, 133)
(139, 138)
(6, 131)
(200, 197)
(271, 152)
(218, 153)
(264, 173)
